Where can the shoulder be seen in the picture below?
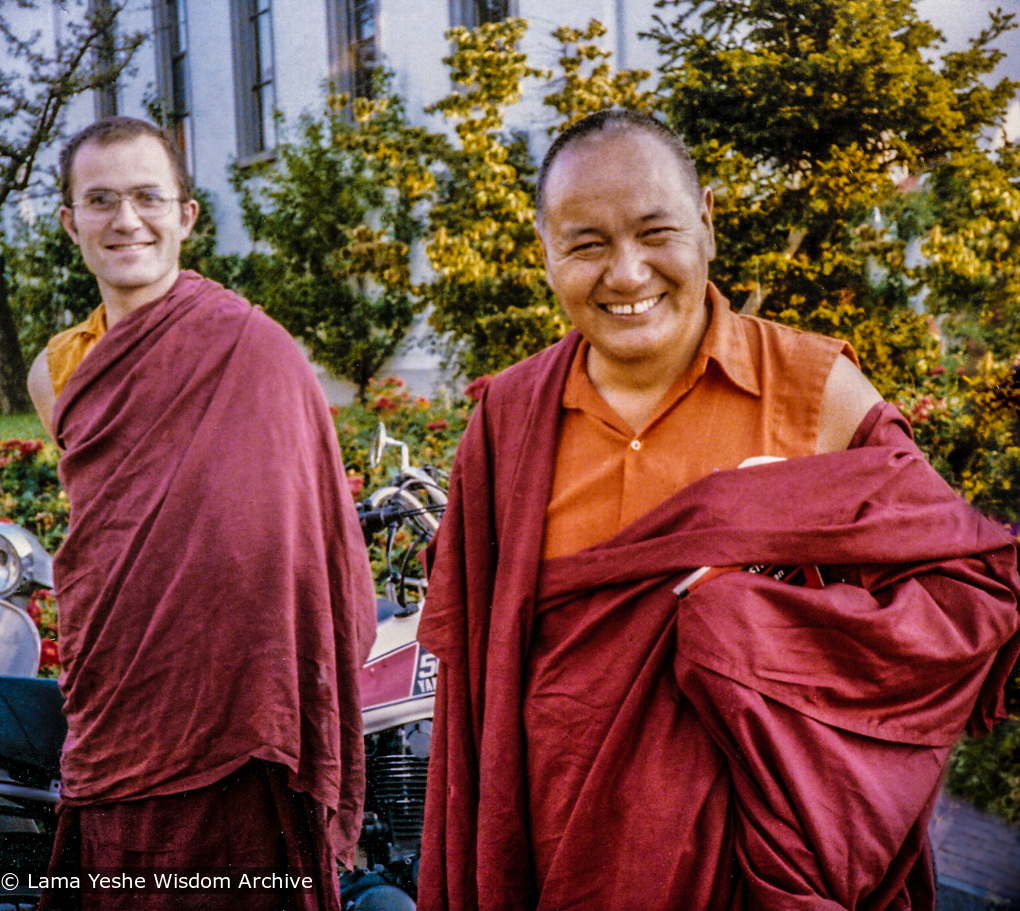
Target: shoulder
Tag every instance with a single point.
(513, 385)
(846, 401)
(788, 345)
(219, 308)
(816, 362)
(40, 390)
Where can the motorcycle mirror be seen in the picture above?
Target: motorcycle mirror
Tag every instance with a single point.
(36, 565)
(380, 440)
(20, 644)
(10, 567)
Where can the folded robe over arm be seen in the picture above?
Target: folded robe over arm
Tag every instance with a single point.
(215, 596)
(599, 743)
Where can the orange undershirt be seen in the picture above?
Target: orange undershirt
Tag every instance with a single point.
(66, 350)
(755, 388)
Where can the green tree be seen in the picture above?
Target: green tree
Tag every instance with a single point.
(971, 249)
(36, 82)
(490, 299)
(589, 82)
(49, 285)
(336, 208)
(803, 115)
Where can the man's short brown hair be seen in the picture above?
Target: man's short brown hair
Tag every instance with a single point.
(110, 130)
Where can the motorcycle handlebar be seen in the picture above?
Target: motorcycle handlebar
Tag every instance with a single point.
(374, 521)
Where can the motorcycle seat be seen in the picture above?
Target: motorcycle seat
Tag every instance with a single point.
(32, 730)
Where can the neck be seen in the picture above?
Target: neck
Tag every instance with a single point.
(634, 389)
(122, 301)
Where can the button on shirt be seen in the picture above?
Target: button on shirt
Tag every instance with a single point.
(754, 389)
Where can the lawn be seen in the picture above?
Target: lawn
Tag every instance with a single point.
(21, 427)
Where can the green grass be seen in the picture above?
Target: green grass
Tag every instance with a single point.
(21, 427)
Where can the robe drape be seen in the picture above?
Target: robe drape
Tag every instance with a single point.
(599, 742)
(215, 596)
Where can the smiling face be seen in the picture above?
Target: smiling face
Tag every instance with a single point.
(627, 241)
(135, 260)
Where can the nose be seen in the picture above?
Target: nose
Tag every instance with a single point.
(125, 217)
(627, 269)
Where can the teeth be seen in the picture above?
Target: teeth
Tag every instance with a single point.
(632, 309)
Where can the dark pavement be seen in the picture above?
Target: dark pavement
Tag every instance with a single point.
(977, 858)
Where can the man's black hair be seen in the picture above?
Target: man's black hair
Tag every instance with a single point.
(618, 120)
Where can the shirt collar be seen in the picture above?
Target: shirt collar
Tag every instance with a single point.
(724, 344)
(727, 344)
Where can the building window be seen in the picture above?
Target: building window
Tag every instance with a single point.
(106, 59)
(353, 45)
(470, 13)
(253, 73)
(171, 67)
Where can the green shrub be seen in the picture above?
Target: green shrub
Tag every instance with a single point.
(30, 492)
(987, 772)
(431, 429)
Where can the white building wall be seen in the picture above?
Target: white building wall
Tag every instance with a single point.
(413, 44)
(212, 133)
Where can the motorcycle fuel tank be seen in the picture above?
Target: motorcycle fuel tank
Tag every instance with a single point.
(398, 682)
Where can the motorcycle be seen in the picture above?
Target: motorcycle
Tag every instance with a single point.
(32, 725)
(397, 686)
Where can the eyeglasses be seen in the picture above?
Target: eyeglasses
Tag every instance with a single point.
(147, 203)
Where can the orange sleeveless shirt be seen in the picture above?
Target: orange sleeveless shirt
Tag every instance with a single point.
(67, 349)
(755, 388)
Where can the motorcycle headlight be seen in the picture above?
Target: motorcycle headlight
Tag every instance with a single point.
(11, 569)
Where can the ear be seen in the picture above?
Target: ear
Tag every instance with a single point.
(189, 215)
(66, 215)
(707, 202)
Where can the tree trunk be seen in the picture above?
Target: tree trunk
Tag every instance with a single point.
(13, 375)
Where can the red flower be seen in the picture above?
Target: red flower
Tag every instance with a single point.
(34, 611)
(333, 410)
(385, 403)
(477, 387)
(49, 656)
(30, 447)
(356, 483)
(438, 425)
(937, 370)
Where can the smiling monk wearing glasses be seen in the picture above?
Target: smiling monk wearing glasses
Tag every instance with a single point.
(214, 589)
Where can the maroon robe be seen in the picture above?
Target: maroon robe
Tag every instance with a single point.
(215, 596)
(599, 743)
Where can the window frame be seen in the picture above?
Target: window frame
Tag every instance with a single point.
(173, 79)
(353, 56)
(254, 81)
(466, 13)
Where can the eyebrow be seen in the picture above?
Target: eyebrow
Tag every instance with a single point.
(141, 186)
(657, 215)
